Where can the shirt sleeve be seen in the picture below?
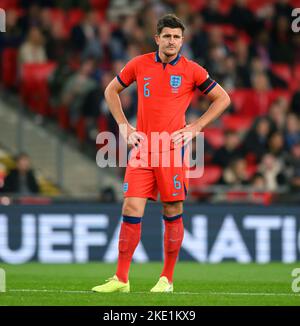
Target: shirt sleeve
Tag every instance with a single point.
(202, 80)
(128, 74)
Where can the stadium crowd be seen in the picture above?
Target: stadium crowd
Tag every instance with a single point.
(247, 46)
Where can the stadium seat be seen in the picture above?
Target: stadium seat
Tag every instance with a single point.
(276, 93)
(63, 117)
(283, 71)
(34, 86)
(211, 175)
(239, 97)
(296, 77)
(256, 5)
(251, 170)
(57, 15)
(228, 30)
(214, 136)
(236, 123)
(102, 123)
(99, 4)
(198, 186)
(81, 129)
(196, 5)
(74, 17)
(251, 103)
(9, 67)
(9, 4)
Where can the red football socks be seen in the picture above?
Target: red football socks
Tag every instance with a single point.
(129, 238)
(173, 237)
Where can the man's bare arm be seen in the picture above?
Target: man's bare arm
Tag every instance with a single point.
(112, 98)
(220, 101)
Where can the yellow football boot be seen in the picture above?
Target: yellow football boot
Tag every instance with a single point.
(162, 285)
(112, 285)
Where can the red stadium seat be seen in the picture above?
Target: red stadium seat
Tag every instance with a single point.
(99, 4)
(256, 5)
(295, 3)
(57, 15)
(34, 86)
(196, 5)
(239, 97)
(251, 170)
(214, 136)
(276, 93)
(251, 103)
(225, 6)
(63, 117)
(102, 123)
(74, 18)
(283, 71)
(9, 4)
(237, 123)
(211, 175)
(9, 67)
(81, 129)
(228, 30)
(296, 77)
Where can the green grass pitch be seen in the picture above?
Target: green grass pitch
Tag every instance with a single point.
(194, 284)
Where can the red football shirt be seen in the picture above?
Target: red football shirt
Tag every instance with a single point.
(164, 90)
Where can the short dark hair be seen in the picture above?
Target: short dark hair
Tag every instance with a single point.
(21, 155)
(169, 20)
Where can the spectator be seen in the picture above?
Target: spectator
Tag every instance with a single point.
(77, 88)
(86, 33)
(230, 78)
(241, 17)
(281, 41)
(258, 67)
(13, 36)
(54, 34)
(283, 8)
(21, 180)
(258, 182)
(211, 13)
(293, 166)
(229, 151)
(260, 48)
(32, 18)
(295, 103)
(198, 38)
(276, 144)
(277, 116)
(33, 50)
(292, 133)
(256, 141)
(108, 195)
(236, 173)
(271, 169)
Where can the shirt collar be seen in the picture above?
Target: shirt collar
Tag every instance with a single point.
(173, 62)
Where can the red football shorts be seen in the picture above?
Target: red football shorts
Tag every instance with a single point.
(148, 174)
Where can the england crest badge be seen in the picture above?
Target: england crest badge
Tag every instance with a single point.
(175, 81)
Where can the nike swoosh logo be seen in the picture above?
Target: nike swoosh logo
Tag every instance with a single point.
(175, 194)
